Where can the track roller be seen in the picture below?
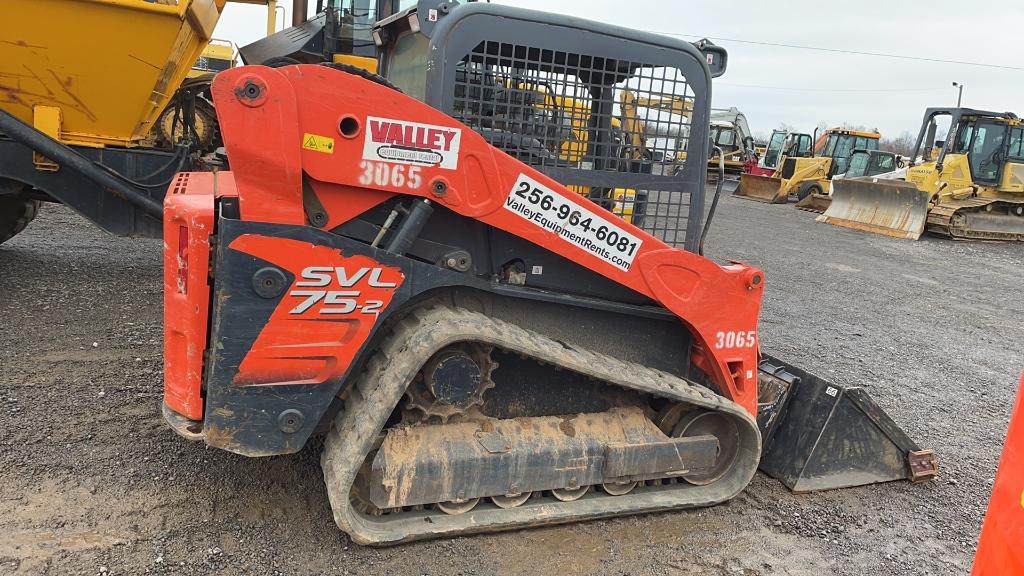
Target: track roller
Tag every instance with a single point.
(511, 501)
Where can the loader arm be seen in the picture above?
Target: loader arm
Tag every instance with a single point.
(265, 130)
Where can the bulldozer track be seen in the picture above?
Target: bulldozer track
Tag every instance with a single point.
(940, 220)
(381, 386)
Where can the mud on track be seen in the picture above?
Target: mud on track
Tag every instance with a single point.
(92, 480)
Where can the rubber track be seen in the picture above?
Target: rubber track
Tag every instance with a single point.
(425, 331)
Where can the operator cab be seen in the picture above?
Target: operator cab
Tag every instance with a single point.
(785, 144)
(840, 144)
(982, 140)
(865, 162)
(724, 136)
(990, 140)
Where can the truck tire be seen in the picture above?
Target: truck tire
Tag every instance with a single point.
(807, 189)
(16, 212)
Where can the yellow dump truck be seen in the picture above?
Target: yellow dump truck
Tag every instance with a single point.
(103, 87)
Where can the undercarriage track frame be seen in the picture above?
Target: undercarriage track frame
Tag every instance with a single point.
(381, 386)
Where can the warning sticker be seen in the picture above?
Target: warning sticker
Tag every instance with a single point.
(404, 142)
(572, 222)
(318, 143)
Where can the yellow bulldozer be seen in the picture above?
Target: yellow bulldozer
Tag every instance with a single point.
(802, 175)
(970, 187)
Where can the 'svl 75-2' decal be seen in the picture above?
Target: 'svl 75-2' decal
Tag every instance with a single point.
(349, 298)
(321, 320)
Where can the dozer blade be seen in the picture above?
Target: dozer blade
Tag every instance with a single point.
(890, 207)
(819, 436)
(762, 189)
(815, 203)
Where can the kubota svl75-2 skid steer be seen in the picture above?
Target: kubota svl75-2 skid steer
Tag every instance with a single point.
(484, 347)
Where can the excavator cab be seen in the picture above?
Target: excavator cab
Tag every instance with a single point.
(339, 33)
(970, 187)
(731, 134)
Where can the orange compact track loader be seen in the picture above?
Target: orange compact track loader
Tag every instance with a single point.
(410, 265)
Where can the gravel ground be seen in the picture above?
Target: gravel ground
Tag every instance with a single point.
(92, 482)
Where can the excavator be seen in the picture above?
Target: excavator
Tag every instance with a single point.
(731, 133)
(801, 174)
(482, 347)
(971, 188)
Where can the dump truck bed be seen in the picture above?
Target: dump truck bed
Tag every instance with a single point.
(99, 72)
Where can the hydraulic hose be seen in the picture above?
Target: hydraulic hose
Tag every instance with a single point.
(714, 201)
(66, 156)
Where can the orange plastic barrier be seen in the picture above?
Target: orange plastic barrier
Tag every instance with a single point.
(1001, 549)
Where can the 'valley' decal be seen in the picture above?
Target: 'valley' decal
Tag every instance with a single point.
(404, 142)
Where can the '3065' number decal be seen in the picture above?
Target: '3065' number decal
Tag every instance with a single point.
(739, 339)
(389, 175)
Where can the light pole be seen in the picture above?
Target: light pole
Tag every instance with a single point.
(960, 94)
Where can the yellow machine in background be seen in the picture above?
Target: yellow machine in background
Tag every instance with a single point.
(804, 176)
(973, 189)
(217, 56)
(863, 163)
(97, 92)
(565, 123)
(124, 84)
(731, 133)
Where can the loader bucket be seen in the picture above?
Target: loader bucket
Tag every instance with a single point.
(817, 435)
(815, 203)
(762, 189)
(890, 207)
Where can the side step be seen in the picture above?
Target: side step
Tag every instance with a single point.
(820, 436)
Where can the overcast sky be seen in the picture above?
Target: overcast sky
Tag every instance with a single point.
(774, 85)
